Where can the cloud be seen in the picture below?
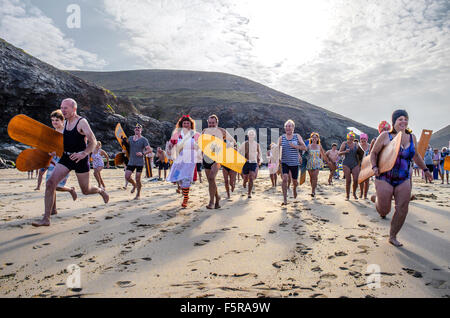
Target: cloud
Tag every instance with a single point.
(26, 26)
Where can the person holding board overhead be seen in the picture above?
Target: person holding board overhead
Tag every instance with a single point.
(392, 183)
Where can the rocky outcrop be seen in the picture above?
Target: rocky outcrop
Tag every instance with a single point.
(32, 87)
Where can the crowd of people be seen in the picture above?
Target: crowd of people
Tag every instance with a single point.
(182, 162)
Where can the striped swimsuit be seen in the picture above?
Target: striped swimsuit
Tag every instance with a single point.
(289, 156)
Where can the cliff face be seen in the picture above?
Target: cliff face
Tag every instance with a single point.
(32, 87)
(239, 102)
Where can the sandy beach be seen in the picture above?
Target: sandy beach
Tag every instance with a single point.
(314, 247)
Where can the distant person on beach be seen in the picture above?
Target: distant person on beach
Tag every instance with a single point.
(162, 162)
(184, 143)
(75, 157)
(333, 162)
(198, 162)
(211, 167)
(428, 159)
(392, 183)
(350, 164)
(316, 157)
(364, 186)
(290, 143)
(444, 153)
(274, 161)
(436, 164)
(139, 148)
(252, 152)
(97, 163)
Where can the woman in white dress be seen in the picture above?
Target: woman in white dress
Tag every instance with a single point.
(184, 143)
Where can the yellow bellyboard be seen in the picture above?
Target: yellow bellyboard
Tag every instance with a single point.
(216, 149)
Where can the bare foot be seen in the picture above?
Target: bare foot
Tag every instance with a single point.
(37, 189)
(73, 193)
(217, 206)
(54, 212)
(394, 242)
(104, 195)
(249, 196)
(210, 206)
(284, 203)
(42, 222)
(132, 190)
(355, 196)
(137, 198)
(347, 198)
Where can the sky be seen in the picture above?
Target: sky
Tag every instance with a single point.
(359, 58)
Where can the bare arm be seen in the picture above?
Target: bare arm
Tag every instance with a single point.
(341, 150)
(379, 144)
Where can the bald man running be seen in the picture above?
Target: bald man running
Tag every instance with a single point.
(75, 157)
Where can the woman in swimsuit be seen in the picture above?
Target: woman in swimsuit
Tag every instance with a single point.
(364, 186)
(316, 156)
(97, 163)
(350, 164)
(392, 183)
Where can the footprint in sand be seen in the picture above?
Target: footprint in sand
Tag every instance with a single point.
(260, 219)
(125, 284)
(412, 272)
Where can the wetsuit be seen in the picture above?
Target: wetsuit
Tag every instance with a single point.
(73, 143)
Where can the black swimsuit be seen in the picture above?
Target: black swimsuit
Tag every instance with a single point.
(73, 143)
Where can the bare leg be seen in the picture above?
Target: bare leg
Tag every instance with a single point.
(72, 191)
(232, 175)
(41, 174)
(87, 189)
(348, 180)
(284, 187)
(138, 185)
(58, 174)
(366, 188)
(402, 194)
(294, 187)
(355, 174)
(212, 186)
(128, 178)
(227, 182)
(384, 197)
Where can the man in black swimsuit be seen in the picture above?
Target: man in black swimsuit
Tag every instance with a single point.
(75, 157)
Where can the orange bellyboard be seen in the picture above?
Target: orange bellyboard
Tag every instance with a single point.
(35, 134)
(424, 142)
(32, 159)
(386, 159)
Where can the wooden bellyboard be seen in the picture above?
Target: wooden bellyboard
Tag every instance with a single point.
(35, 134)
(119, 133)
(32, 159)
(424, 142)
(386, 159)
(216, 149)
(119, 159)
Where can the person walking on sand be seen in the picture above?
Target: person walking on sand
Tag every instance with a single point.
(211, 167)
(274, 161)
(350, 164)
(98, 164)
(364, 186)
(58, 123)
(139, 148)
(198, 163)
(162, 162)
(75, 157)
(333, 159)
(428, 159)
(252, 152)
(290, 143)
(392, 183)
(184, 142)
(316, 156)
(444, 153)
